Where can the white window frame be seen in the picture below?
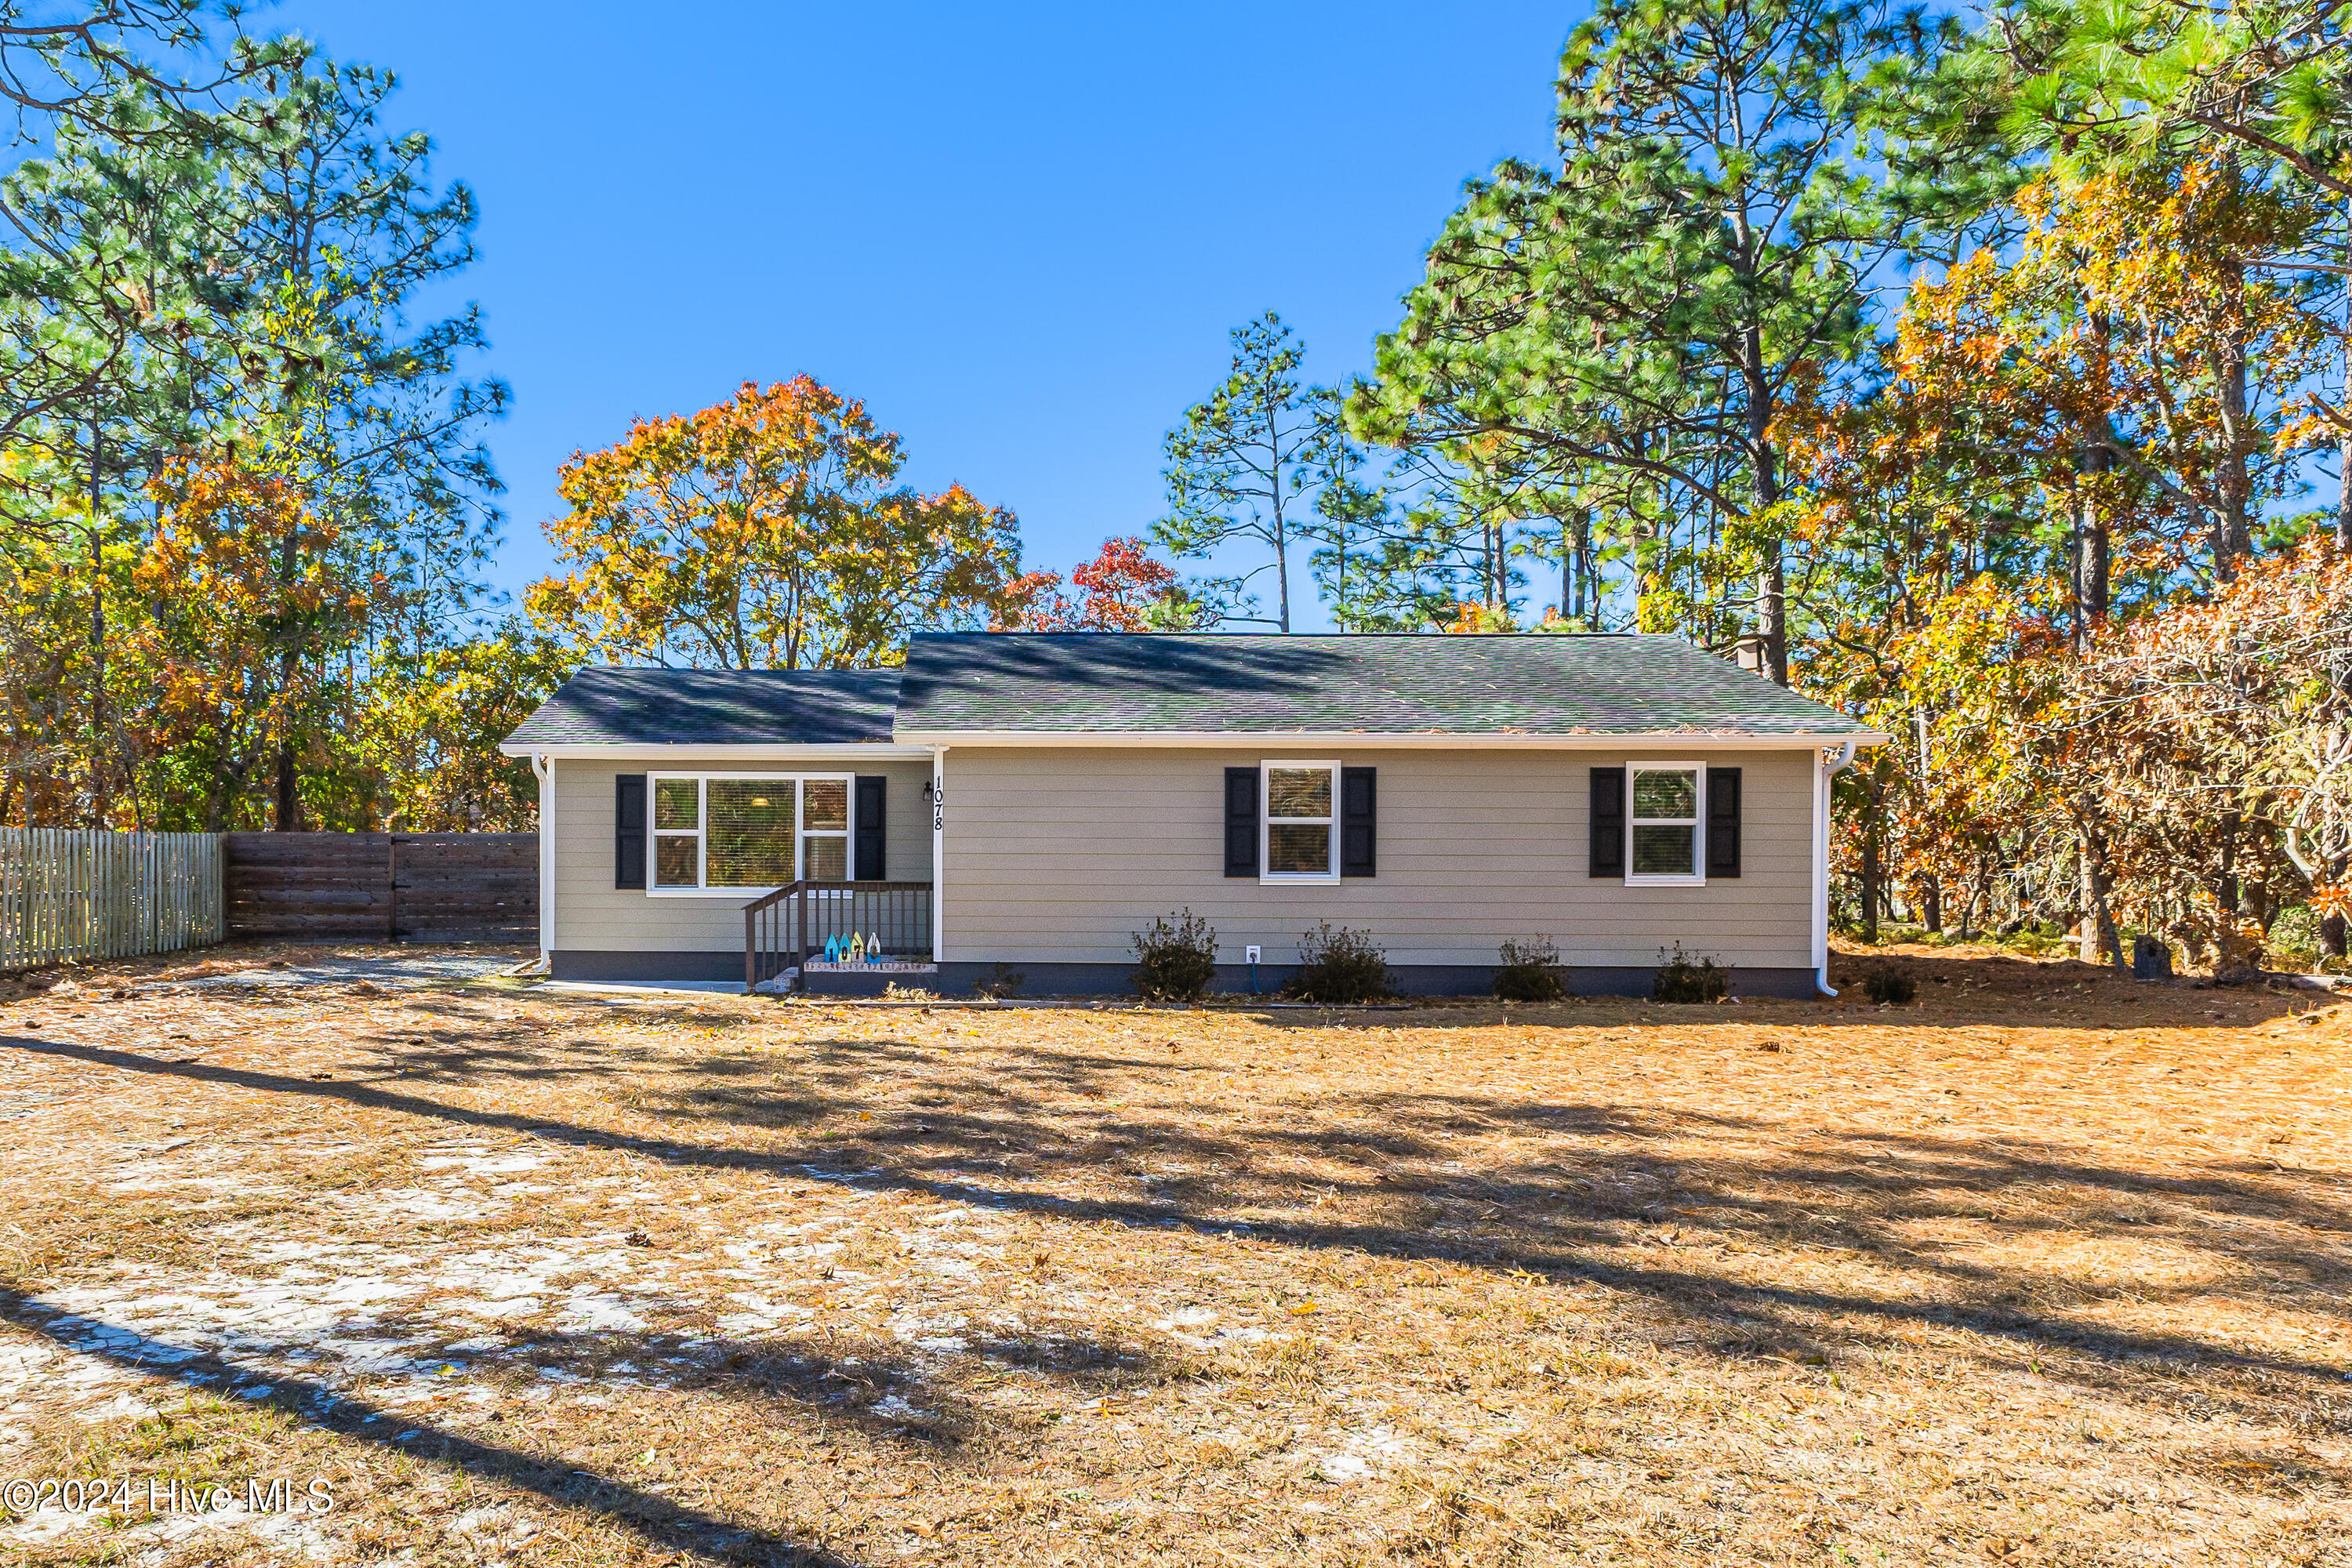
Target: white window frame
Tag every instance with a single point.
(1697, 823)
(1266, 819)
(654, 835)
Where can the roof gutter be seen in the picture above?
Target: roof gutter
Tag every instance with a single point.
(738, 751)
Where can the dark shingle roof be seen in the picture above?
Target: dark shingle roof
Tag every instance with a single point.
(1536, 685)
(1102, 683)
(605, 706)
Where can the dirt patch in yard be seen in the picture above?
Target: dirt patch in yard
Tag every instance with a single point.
(2046, 1268)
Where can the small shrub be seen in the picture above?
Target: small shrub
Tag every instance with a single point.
(1179, 958)
(1336, 964)
(1002, 982)
(2294, 939)
(1529, 971)
(1890, 987)
(1689, 977)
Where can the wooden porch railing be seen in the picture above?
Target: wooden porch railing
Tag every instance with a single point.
(790, 927)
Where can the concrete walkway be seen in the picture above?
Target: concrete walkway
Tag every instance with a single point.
(403, 973)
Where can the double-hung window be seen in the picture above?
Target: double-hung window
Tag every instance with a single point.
(1299, 840)
(1668, 801)
(737, 832)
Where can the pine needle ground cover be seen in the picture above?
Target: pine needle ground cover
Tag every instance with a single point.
(2045, 1268)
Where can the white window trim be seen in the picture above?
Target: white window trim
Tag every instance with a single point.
(1697, 877)
(702, 819)
(1266, 820)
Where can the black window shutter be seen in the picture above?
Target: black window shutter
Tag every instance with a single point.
(873, 801)
(1241, 822)
(1359, 803)
(629, 830)
(1722, 822)
(1608, 822)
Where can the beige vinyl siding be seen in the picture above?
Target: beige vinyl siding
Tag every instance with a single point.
(1058, 856)
(593, 916)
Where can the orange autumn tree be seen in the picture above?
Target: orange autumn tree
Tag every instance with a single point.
(2063, 437)
(2134, 360)
(1122, 589)
(242, 590)
(768, 531)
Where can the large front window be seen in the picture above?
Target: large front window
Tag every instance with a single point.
(1664, 822)
(1301, 843)
(749, 831)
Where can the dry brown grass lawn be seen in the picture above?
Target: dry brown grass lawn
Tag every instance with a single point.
(2048, 1268)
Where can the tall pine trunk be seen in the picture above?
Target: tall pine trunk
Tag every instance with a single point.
(1282, 572)
(2344, 486)
(101, 798)
(1567, 568)
(2232, 536)
(2093, 571)
(1772, 586)
(2344, 441)
(289, 793)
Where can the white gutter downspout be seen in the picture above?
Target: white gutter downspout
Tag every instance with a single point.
(939, 854)
(1826, 770)
(544, 766)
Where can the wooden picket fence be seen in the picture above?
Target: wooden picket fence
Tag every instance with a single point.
(66, 894)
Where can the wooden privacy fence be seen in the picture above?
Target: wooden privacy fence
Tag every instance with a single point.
(384, 887)
(66, 894)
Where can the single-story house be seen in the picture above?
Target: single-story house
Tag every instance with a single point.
(1028, 802)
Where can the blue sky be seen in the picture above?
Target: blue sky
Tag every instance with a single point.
(1020, 233)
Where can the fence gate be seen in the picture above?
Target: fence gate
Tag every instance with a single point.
(464, 887)
(386, 887)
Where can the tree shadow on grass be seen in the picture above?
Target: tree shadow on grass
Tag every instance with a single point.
(1598, 1178)
(886, 1401)
(660, 1522)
